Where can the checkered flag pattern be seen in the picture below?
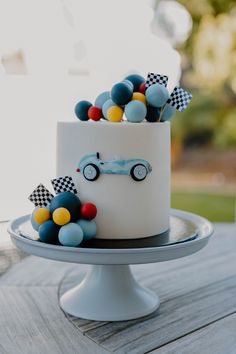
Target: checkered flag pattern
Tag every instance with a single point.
(179, 99)
(156, 79)
(64, 184)
(41, 196)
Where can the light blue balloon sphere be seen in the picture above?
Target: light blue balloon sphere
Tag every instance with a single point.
(89, 228)
(135, 111)
(129, 83)
(102, 98)
(109, 103)
(168, 112)
(33, 222)
(157, 95)
(70, 235)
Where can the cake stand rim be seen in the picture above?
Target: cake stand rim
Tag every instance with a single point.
(119, 255)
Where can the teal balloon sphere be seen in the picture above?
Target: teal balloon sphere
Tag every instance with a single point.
(101, 99)
(89, 228)
(121, 93)
(67, 200)
(71, 235)
(157, 95)
(168, 112)
(109, 103)
(136, 80)
(48, 232)
(81, 110)
(135, 111)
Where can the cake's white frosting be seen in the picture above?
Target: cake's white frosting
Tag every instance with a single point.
(126, 208)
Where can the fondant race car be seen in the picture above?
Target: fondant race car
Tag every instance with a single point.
(91, 166)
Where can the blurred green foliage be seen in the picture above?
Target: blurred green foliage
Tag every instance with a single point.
(209, 71)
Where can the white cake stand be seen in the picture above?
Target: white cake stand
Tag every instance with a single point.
(109, 291)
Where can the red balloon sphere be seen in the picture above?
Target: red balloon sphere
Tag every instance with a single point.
(95, 113)
(142, 88)
(88, 211)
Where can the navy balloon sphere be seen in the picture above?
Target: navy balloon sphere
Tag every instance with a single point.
(109, 103)
(153, 114)
(121, 93)
(157, 95)
(48, 232)
(69, 201)
(135, 111)
(81, 110)
(101, 99)
(168, 112)
(136, 80)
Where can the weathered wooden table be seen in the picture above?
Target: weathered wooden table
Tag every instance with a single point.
(197, 312)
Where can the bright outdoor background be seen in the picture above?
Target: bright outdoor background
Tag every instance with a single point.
(54, 53)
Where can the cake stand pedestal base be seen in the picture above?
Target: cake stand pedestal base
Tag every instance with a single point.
(109, 293)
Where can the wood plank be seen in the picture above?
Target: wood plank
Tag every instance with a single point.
(32, 322)
(219, 337)
(177, 317)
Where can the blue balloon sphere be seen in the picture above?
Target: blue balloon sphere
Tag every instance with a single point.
(136, 80)
(157, 95)
(67, 200)
(81, 110)
(135, 111)
(153, 114)
(109, 103)
(121, 93)
(101, 99)
(33, 222)
(89, 228)
(48, 232)
(168, 112)
(70, 235)
(129, 83)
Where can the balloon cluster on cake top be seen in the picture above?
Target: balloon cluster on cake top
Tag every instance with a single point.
(62, 219)
(134, 100)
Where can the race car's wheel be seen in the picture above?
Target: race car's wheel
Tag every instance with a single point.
(138, 172)
(91, 172)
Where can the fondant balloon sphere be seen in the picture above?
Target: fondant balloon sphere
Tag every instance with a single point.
(168, 112)
(102, 98)
(61, 216)
(89, 228)
(33, 222)
(157, 95)
(95, 113)
(142, 87)
(88, 211)
(115, 114)
(153, 114)
(129, 83)
(48, 232)
(69, 201)
(81, 110)
(137, 96)
(109, 103)
(121, 93)
(136, 80)
(135, 111)
(41, 215)
(71, 235)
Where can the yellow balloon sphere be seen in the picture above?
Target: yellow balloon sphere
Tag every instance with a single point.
(115, 114)
(138, 96)
(41, 215)
(61, 216)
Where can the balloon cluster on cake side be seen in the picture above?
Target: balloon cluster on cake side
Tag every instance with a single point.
(62, 219)
(136, 100)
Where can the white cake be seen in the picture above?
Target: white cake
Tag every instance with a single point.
(127, 209)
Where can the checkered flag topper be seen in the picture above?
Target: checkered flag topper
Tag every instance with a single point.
(64, 184)
(179, 99)
(153, 78)
(41, 196)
